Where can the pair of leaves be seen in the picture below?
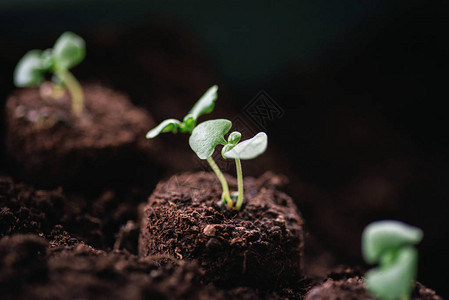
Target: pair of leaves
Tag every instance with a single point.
(390, 244)
(68, 51)
(207, 135)
(204, 105)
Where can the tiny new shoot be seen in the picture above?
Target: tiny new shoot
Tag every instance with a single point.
(207, 135)
(204, 105)
(68, 51)
(390, 245)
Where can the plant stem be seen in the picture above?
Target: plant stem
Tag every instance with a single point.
(75, 90)
(238, 166)
(224, 183)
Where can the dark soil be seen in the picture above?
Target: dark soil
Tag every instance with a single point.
(349, 285)
(31, 270)
(58, 246)
(260, 246)
(50, 146)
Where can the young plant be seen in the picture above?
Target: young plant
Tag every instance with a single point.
(207, 135)
(203, 106)
(68, 51)
(390, 245)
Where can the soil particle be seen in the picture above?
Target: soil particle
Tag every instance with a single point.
(260, 246)
(51, 146)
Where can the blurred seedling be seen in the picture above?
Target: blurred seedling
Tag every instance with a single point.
(390, 245)
(209, 134)
(69, 50)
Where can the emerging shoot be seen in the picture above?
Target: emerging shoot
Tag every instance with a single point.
(68, 51)
(207, 135)
(203, 106)
(390, 245)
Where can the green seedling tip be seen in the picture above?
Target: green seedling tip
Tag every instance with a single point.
(207, 135)
(248, 149)
(390, 245)
(204, 105)
(68, 51)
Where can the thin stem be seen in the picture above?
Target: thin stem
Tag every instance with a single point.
(238, 166)
(75, 90)
(224, 183)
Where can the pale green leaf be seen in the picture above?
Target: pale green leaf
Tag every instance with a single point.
(397, 280)
(207, 135)
(204, 105)
(169, 125)
(29, 71)
(249, 149)
(383, 235)
(69, 50)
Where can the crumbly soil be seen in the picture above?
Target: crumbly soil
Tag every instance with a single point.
(349, 285)
(32, 270)
(47, 252)
(260, 246)
(51, 146)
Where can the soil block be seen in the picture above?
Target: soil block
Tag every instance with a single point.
(261, 246)
(349, 285)
(51, 146)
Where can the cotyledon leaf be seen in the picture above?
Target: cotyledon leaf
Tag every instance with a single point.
(207, 135)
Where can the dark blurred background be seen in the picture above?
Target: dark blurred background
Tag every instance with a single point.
(355, 94)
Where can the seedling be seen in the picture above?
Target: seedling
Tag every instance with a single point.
(390, 245)
(203, 106)
(207, 135)
(68, 51)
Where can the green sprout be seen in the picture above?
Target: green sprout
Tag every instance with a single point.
(207, 135)
(68, 51)
(203, 106)
(390, 245)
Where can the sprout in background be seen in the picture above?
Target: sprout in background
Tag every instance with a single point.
(390, 245)
(68, 51)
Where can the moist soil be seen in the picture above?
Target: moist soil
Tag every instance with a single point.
(260, 246)
(349, 285)
(51, 146)
(55, 245)
(44, 256)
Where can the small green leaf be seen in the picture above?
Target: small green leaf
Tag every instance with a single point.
(397, 280)
(248, 149)
(169, 125)
(204, 105)
(29, 70)
(383, 235)
(207, 135)
(69, 50)
(234, 137)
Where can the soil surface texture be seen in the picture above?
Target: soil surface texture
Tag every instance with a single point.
(260, 246)
(51, 146)
(349, 285)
